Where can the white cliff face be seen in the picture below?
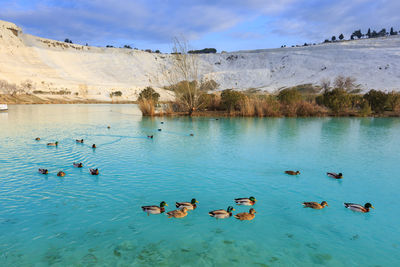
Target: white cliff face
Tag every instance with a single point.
(96, 72)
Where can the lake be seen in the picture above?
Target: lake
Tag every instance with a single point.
(88, 220)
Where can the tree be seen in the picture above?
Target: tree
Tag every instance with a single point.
(183, 77)
(341, 37)
(326, 41)
(337, 100)
(149, 94)
(374, 34)
(369, 33)
(289, 96)
(392, 32)
(377, 100)
(333, 38)
(230, 99)
(68, 41)
(382, 33)
(358, 34)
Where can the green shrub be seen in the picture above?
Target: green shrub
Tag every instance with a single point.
(377, 100)
(393, 101)
(289, 96)
(149, 94)
(230, 99)
(337, 100)
(117, 93)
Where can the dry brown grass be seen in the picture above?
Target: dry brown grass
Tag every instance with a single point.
(260, 107)
(147, 108)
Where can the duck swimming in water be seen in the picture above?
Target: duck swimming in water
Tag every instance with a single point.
(246, 201)
(159, 130)
(190, 206)
(61, 174)
(79, 141)
(94, 146)
(150, 136)
(335, 175)
(292, 172)
(108, 127)
(222, 214)
(191, 134)
(177, 213)
(94, 171)
(315, 205)
(37, 138)
(78, 165)
(246, 216)
(155, 209)
(358, 207)
(53, 144)
(43, 171)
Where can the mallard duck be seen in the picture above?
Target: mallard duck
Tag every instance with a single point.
(190, 206)
(335, 175)
(222, 214)
(292, 172)
(177, 213)
(245, 201)
(358, 207)
(53, 144)
(108, 127)
(94, 146)
(162, 122)
(159, 130)
(155, 209)
(78, 165)
(150, 136)
(246, 216)
(61, 174)
(191, 134)
(37, 138)
(94, 171)
(315, 205)
(79, 141)
(43, 171)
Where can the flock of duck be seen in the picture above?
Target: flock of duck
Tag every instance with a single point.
(76, 165)
(184, 207)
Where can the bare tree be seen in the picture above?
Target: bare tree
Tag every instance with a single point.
(183, 77)
(325, 84)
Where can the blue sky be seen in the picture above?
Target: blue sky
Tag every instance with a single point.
(228, 25)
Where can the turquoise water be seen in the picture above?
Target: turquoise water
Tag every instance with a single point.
(84, 220)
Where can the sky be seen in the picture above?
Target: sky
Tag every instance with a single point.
(227, 25)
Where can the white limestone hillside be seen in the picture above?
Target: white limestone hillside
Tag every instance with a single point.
(94, 72)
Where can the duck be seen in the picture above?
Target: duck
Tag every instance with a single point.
(246, 201)
(77, 165)
(37, 138)
(159, 130)
(61, 174)
(179, 213)
(43, 171)
(94, 171)
(191, 134)
(335, 175)
(155, 209)
(190, 206)
(162, 122)
(79, 141)
(246, 216)
(150, 136)
(222, 214)
(94, 146)
(315, 205)
(292, 172)
(358, 207)
(108, 127)
(53, 144)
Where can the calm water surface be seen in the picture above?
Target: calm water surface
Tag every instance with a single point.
(86, 220)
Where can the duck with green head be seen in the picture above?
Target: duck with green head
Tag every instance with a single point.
(188, 205)
(222, 214)
(246, 201)
(358, 207)
(155, 209)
